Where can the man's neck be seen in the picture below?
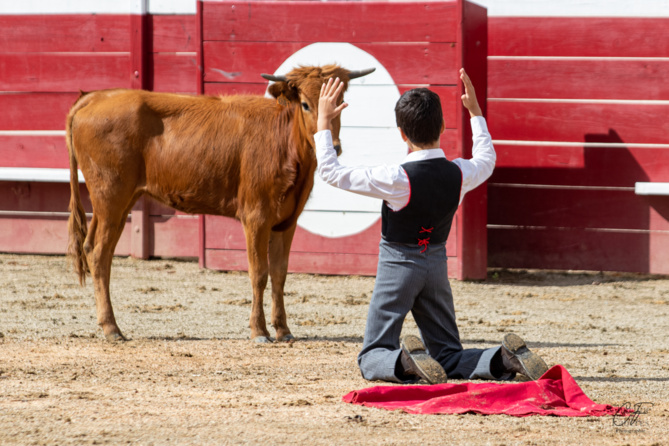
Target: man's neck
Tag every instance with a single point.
(416, 148)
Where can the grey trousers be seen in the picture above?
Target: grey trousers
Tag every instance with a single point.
(410, 280)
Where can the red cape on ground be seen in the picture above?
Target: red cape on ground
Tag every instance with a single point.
(555, 393)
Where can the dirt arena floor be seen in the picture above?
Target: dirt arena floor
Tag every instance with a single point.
(189, 375)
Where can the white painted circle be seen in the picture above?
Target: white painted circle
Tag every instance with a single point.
(369, 137)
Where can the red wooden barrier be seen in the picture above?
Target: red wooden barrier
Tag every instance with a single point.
(576, 110)
(43, 65)
(417, 43)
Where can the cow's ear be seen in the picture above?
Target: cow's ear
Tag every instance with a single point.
(283, 93)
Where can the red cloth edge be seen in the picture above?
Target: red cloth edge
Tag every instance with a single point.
(554, 393)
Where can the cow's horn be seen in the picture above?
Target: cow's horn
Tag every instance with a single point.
(360, 73)
(271, 77)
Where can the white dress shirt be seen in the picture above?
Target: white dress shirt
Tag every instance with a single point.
(390, 182)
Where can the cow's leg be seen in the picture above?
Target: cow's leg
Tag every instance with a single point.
(103, 235)
(257, 244)
(279, 250)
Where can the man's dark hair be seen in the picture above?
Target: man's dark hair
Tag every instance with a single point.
(418, 114)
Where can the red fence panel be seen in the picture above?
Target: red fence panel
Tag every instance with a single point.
(576, 111)
(416, 43)
(45, 60)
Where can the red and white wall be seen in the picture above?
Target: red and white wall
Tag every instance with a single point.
(577, 106)
(49, 51)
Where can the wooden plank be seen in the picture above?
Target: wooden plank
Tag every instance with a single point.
(38, 197)
(38, 174)
(592, 166)
(141, 76)
(579, 79)
(35, 111)
(199, 82)
(471, 218)
(244, 61)
(175, 236)
(537, 157)
(307, 262)
(40, 33)
(572, 208)
(643, 188)
(46, 235)
(63, 72)
(577, 249)
(659, 253)
(227, 234)
(579, 36)
(217, 89)
(174, 33)
(613, 122)
(174, 73)
(352, 22)
(33, 151)
(344, 264)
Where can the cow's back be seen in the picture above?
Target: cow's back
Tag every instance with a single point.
(198, 154)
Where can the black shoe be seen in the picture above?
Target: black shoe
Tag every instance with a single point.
(520, 359)
(417, 362)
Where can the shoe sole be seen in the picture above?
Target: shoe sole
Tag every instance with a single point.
(532, 363)
(430, 369)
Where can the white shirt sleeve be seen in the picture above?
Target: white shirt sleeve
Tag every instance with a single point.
(479, 168)
(389, 183)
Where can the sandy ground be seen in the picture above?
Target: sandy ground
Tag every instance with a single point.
(189, 375)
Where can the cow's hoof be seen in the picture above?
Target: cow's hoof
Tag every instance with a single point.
(263, 340)
(289, 338)
(115, 337)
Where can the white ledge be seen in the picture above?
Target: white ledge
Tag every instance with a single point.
(651, 188)
(44, 175)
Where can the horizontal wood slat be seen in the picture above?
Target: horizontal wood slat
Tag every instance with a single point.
(578, 249)
(578, 36)
(173, 237)
(173, 33)
(307, 262)
(407, 63)
(576, 122)
(35, 111)
(229, 235)
(343, 264)
(174, 72)
(38, 197)
(74, 33)
(640, 79)
(352, 22)
(45, 236)
(64, 33)
(49, 72)
(33, 151)
(574, 208)
(598, 166)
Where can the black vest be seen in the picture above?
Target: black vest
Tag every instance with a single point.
(435, 194)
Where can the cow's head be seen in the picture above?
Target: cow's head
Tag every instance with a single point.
(302, 86)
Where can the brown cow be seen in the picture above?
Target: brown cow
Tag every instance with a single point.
(247, 157)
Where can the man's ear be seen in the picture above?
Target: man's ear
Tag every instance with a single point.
(283, 93)
(443, 126)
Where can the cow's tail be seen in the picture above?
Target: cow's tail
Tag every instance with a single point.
(76, 224)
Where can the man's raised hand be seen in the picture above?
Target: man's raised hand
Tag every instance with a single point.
(469, 98)
(328, 109)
